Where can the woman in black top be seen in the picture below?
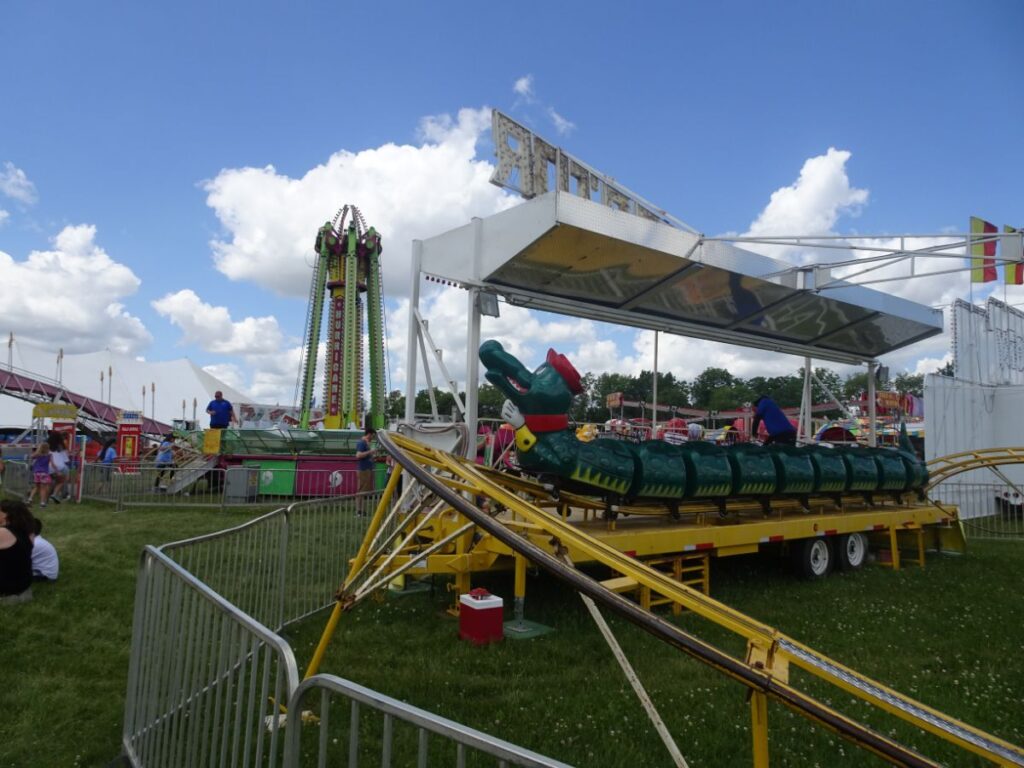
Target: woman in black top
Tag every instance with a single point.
(15, 552)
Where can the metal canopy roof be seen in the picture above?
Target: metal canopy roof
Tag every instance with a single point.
(566, 254)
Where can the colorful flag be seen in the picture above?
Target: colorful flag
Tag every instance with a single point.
(983, 270)
(1014, 269)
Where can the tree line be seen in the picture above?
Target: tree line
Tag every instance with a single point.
(714, 389)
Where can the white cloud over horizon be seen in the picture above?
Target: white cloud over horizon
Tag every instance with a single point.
(212, 329)
(44, 301)
(406, 191)
(414, 190)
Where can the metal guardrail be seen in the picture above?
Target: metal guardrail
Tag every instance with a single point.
(203, 676)
(987, 510)
(358, 726)
(207, 675)
(284, 565)
(200, 484)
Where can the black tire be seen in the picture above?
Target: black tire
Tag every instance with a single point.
(813, 558)
(851, 551)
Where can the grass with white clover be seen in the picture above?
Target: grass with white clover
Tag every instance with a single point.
(948, 634)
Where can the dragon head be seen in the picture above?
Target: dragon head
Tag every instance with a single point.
(548, 391)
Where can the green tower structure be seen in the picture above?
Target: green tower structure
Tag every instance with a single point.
(347, 278)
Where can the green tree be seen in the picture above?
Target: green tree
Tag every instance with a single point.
(910, 383)
(947, 370)
(707, 382)
(445, 402)
(854, 384)
(587, 405)
(671, 391)
(395, 407)
(489, 400)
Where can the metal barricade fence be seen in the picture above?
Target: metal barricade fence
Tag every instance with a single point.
(17, 478)
(987, 510)
(358, 726)
(284, 565)
(199, 483)
(203, 676)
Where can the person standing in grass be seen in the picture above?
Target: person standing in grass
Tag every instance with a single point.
(15, 552)
(59, 465)
(364, 466)
(107, 457)
(164, 462)
(42, 465)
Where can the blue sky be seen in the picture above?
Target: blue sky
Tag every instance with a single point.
(140, 211)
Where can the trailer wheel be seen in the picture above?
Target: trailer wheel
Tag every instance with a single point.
(851, 551)
(813, 558)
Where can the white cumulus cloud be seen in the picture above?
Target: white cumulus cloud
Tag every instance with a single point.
(811, 205)
(524, 86)
(4, 215)
(563, 126)
(406, 191)
(71, 296)
(212, 328)
(16, 185)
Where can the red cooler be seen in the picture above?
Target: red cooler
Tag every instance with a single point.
(480, 617)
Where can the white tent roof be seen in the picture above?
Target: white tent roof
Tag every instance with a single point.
(175, 380)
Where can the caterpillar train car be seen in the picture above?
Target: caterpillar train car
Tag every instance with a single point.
(537, 405)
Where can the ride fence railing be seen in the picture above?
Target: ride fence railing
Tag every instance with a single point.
(987, 510)
(358, 726)
(199, 483)
(205, 680)
(283, 565)
(209, 677)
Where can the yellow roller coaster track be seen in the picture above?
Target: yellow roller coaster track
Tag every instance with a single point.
(541, 537)
(945, 467)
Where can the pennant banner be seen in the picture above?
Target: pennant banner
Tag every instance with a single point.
(1013, 252)
(983, 270)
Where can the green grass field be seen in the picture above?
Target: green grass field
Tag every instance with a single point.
(948, 635)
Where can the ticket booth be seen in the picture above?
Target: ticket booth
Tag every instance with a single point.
(129, 440)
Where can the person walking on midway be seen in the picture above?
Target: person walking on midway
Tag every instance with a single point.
(780, 430)
(222, 414)
(164, 462)
(364, 456)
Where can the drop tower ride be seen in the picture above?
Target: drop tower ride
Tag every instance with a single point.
(347, 275)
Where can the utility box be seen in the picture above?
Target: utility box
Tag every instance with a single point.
(242, 485)
(480, 617)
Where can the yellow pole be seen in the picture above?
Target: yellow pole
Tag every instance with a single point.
(325, 639)
(520, 587)
(332, 622)
(894, 544)
(759, 727)
(378, 516)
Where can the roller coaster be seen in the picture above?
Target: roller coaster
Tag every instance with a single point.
(451, 507)
(636, 509)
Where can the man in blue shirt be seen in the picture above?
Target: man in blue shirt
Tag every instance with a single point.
(364, 465)
(220, 410)
(775, 421)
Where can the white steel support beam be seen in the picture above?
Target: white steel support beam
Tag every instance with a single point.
(807, 401)
(872, 409)
(473, 342)
(410, 345)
